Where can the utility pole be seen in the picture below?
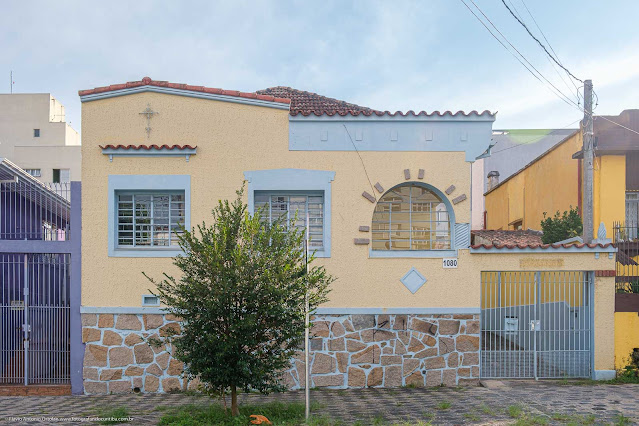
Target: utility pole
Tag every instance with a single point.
(588, 140)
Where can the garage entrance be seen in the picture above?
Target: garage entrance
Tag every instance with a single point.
(536, 324)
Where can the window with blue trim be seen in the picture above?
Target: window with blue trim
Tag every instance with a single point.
(149, 219)
(411, 217)
(298, 206)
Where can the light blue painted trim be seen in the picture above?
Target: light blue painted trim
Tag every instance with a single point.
(397, 311)
(295, 180)
(187, 93)
(146, 183)
(391, 134)
(570, 249)
(121, 152)
(122, 310)
(411, 254)
(605, 374)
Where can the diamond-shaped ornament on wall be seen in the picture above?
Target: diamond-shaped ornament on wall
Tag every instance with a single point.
(413, 280)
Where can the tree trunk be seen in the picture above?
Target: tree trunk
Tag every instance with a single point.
(234, 410)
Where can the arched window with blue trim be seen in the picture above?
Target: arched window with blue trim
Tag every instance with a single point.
(411, 216)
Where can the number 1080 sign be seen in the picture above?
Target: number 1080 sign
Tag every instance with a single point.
(450, 263)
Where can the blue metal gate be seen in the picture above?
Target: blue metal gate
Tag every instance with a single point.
(34, 318)
(536, 324)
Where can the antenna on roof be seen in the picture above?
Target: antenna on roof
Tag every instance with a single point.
(11, 82)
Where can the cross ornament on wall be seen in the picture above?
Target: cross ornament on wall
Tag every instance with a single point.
(149, 115)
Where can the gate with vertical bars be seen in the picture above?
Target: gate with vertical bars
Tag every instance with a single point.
(34, 318)
(536, 324)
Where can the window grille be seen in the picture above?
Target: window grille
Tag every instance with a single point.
(149, 219)
(411, 217)
(34, 172)
(273, 206)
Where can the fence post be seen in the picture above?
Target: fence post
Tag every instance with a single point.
(77, 347)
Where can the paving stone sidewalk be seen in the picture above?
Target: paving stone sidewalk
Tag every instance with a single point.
(554, 402)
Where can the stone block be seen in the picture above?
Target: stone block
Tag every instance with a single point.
(89, 320)
(429, 340)
(152, 321)
(137, 382)
(143, 353)
(128, 322)
(110, 374)
(474, 371)
(375, 377)
(446, 345)
(95, 356)
(400, 322)
(463, 316)
(463, 372)
(453, 360)
(336, 344)
(120, 387)
(424, 326)
(356, 378)
(111, 338)
(90, 373)
(134, 370)
(404, 337)
(151, 383)
(433, 378)
(435, 363)
(369, 355)
(388, 350)
(467, 343)
(472, 327)
(315, 344)
(194, 385)
(415, 345)
(448, 327)
(173, 317)
(170, 329)
(328, 380)
(393, 376)
(426, 353)
(415, 379)
(391, 360)
(171, 384)
(337, 329)
(363, 321)
(354, 345)
(120, 356)
(471, 358)
(286, 380)
(342, 361)
(410, 365)
(383, 321)
(400, 349)
(163, 360)
(320, 329)
(95, 388)
(377, 335)
(323, 364)
(176, 367)
(348, 326)
(154, 369)
(105, 321)
(449, 378)
(133, 339)
(90, 335)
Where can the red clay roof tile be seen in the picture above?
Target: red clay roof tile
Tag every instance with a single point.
(148, 147)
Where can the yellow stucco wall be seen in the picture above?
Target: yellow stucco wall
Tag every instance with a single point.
(609, 194)
(547, 185)
(626, 336)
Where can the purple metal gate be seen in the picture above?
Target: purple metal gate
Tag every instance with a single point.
(34, 318)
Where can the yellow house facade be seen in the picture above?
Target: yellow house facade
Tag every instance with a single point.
(552, 182)
(411, 301)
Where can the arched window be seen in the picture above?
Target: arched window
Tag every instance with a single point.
(411, 217)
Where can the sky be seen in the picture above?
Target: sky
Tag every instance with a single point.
(389, 55)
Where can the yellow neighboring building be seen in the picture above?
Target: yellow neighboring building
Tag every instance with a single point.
(552, 182)
(413, 303)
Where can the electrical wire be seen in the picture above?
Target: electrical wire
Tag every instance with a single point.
(614, 122)
(557, 92)
(362, 161)
(534, 140)
(540, 43)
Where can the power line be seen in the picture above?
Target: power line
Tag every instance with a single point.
(558, 92)
(360, 159)
(540, 43)
(615, 123)
(534, 140)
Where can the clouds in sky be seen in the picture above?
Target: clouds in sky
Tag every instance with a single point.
(400, 55)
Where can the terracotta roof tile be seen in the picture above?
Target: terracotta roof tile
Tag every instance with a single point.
(147, 81)
(148, 147)
(541, 246)
(501, 237)
(307, 103)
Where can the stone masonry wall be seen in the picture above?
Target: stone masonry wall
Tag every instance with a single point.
(122, 354)
(354, 351)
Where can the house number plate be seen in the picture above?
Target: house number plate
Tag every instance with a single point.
(449, 263)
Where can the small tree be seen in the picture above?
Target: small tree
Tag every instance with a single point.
(241, 297)
(561, 227)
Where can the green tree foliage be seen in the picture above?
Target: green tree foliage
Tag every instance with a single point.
(241, 295)
(561, 227)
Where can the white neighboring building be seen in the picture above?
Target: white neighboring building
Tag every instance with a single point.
(35, 136)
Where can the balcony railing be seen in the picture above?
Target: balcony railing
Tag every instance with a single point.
(31, 210)
(626, 238)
